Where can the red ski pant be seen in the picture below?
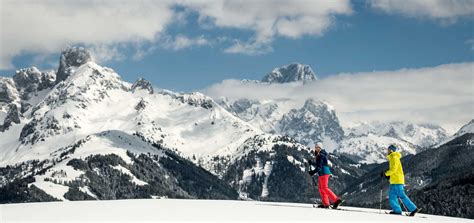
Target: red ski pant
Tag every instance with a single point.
(324, 190)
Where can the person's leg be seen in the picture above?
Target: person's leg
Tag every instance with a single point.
(323, 184)
(393, 199)
(329, 192)
(408, 203)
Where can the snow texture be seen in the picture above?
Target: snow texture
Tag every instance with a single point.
(170, 210)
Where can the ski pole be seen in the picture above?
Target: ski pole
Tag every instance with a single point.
(381, 192)
(404, 207)
(312, 180)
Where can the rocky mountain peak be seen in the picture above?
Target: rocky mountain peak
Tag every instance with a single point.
(294, 72)
(71, 58)
(30, 80)
(143, 84)
(315, 121)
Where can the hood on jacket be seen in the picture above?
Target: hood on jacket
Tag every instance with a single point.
(396, 155)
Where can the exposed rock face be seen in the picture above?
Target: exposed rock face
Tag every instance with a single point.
(291, 73)
(143, 84)
(315, 121)
(30, 80)
(70, 59)
(8, 91)
(13, 116)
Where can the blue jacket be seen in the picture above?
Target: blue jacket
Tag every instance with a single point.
(321, 165)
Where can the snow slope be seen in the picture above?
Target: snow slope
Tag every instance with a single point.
(422, 135)
(467, 128)
(170, 210)
(93, 99)
(372, 148)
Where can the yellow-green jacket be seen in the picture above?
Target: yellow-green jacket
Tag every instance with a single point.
(395, 171)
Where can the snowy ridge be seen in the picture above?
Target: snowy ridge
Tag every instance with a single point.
(467, 128)
(422, 135)
(312, 122)
(94, 99)
(372, 148)
(109, 142)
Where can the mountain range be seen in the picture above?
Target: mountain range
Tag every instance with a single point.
(82, 132)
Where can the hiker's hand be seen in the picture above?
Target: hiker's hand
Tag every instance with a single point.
(387, 177)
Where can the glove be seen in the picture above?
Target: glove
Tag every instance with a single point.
(383, 175)
(312, 172)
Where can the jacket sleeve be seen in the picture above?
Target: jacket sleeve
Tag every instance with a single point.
(394, 165)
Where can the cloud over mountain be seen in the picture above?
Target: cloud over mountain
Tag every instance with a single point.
(440, 94)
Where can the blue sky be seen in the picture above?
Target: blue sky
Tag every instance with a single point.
(363, 38)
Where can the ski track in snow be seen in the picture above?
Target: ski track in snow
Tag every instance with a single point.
(173, 210)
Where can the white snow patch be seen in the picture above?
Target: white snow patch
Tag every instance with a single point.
(55, 190)
(127, 172)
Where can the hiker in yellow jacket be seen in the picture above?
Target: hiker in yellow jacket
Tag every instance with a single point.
(397, 181)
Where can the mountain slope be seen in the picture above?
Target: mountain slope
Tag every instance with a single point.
(94, 99)
(421, 135)
(439, 180)
(91, 114)
(467, 128)
(312, 122)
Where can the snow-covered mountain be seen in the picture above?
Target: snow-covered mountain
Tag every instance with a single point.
(465, 129)
(314, 121)
(291, 73)
(367, 142)
(373, 148)
(422, 135)
(93, 99)
(87, 112)
(83, 133)
(432, 177)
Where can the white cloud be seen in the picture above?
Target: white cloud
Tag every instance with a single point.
(268, 19)
(102, 52)
(50, 25)
(181, 42)
(249, 48)
(442, 95)
(470, 42)
(443, 10)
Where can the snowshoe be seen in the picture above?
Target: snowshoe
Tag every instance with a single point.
(337, 203)
(414, 212)
(394, 213)
(322, 206)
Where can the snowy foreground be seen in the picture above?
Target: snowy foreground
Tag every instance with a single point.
(171, 210)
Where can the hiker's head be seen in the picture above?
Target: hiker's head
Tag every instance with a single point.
(391, 149)
(318, 147)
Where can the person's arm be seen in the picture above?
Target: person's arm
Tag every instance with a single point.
(320, 162)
